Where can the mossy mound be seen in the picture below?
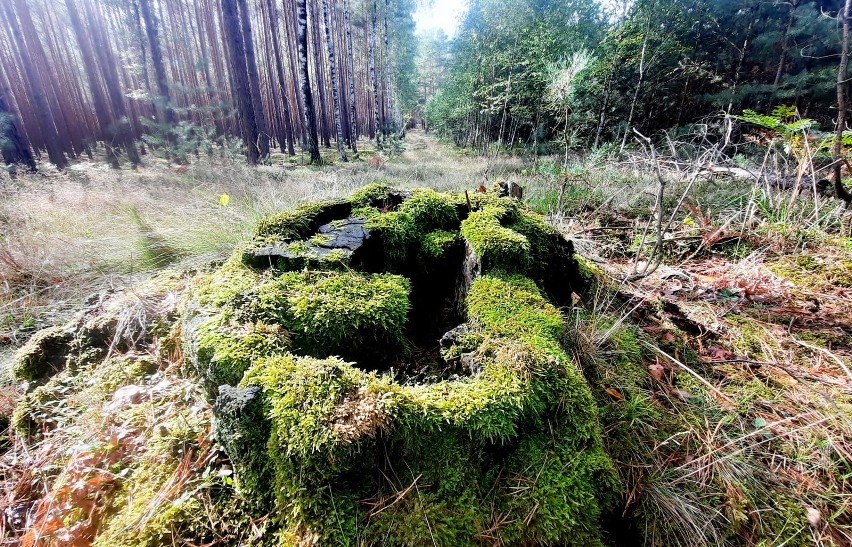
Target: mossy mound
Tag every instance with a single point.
(345, 418)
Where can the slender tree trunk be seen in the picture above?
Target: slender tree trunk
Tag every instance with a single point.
(165, 99)
(304, 79)
(34, 81)
(386, 56)
(335, 87)
(842, 76)
(785, 43)
(353, 99)
(282, 83)
(373, 76)
(254, 81)
(239, 72)
(638, 87)
(99, 100)
(123, 125)
(325, 132)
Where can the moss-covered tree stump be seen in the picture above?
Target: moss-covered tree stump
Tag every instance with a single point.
(388, 370)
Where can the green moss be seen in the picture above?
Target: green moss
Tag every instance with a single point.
(497, 247)
(399, 231)
(529, 398)
(225, 348)
(297, 223)
(815, 272)
(436, 246)
(372, 195)
(43, 354)
(752, 339)
(430, 210)
(511, 453)
(333, 312)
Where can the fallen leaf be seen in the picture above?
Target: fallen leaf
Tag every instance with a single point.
(657, 371)
(615, 394)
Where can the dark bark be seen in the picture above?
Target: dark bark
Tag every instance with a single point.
(353, 98)
(242, 91)
(254, 81)
(304, 79)
(34, 81)
(282, 83)
(13, 142)
(325, 132)
(842, 77)
(335, 88)
(373, 75)
(165, 99)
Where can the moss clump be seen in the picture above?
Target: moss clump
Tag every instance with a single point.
(378, 194)
(44, 354)
(299, 222)
(528, 413)
(401, 230)
(496, 246)
(435, 246)
(316, 313)
(339, 452)
(331, 313)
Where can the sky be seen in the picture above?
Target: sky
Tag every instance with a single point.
(440, 14)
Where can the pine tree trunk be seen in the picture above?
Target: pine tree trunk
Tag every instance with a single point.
(102, 113)
(122, 123)
(388, 72)
(842, 77)
(165, 99)
(279, 67)
(335, 88)
(242, 91)
(304, 79)
(325, 133)
(785, 43)
(373, 75)
(353, 98)
(34, 82)
(254, 81)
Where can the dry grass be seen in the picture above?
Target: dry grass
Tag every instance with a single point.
(66, 235)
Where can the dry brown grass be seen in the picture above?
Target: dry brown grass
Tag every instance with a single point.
(65, 235)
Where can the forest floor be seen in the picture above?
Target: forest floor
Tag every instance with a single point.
(748, 315)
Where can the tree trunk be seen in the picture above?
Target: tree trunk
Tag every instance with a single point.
(335, 88)
(254, 81)
(13, 143)
(165, 99)
(638, 87)
(785, 43)
(242, 91)
(305, 81)
(373, 76)
(279, 67)
(122, 124)
(325, 132)
(837, 149)
(353, 99)
(34, 81)
(102, 112)
(386, 56)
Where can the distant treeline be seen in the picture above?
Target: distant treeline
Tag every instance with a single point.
(178, 74)
(527, 71)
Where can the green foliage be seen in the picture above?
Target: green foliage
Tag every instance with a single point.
(310, 450)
